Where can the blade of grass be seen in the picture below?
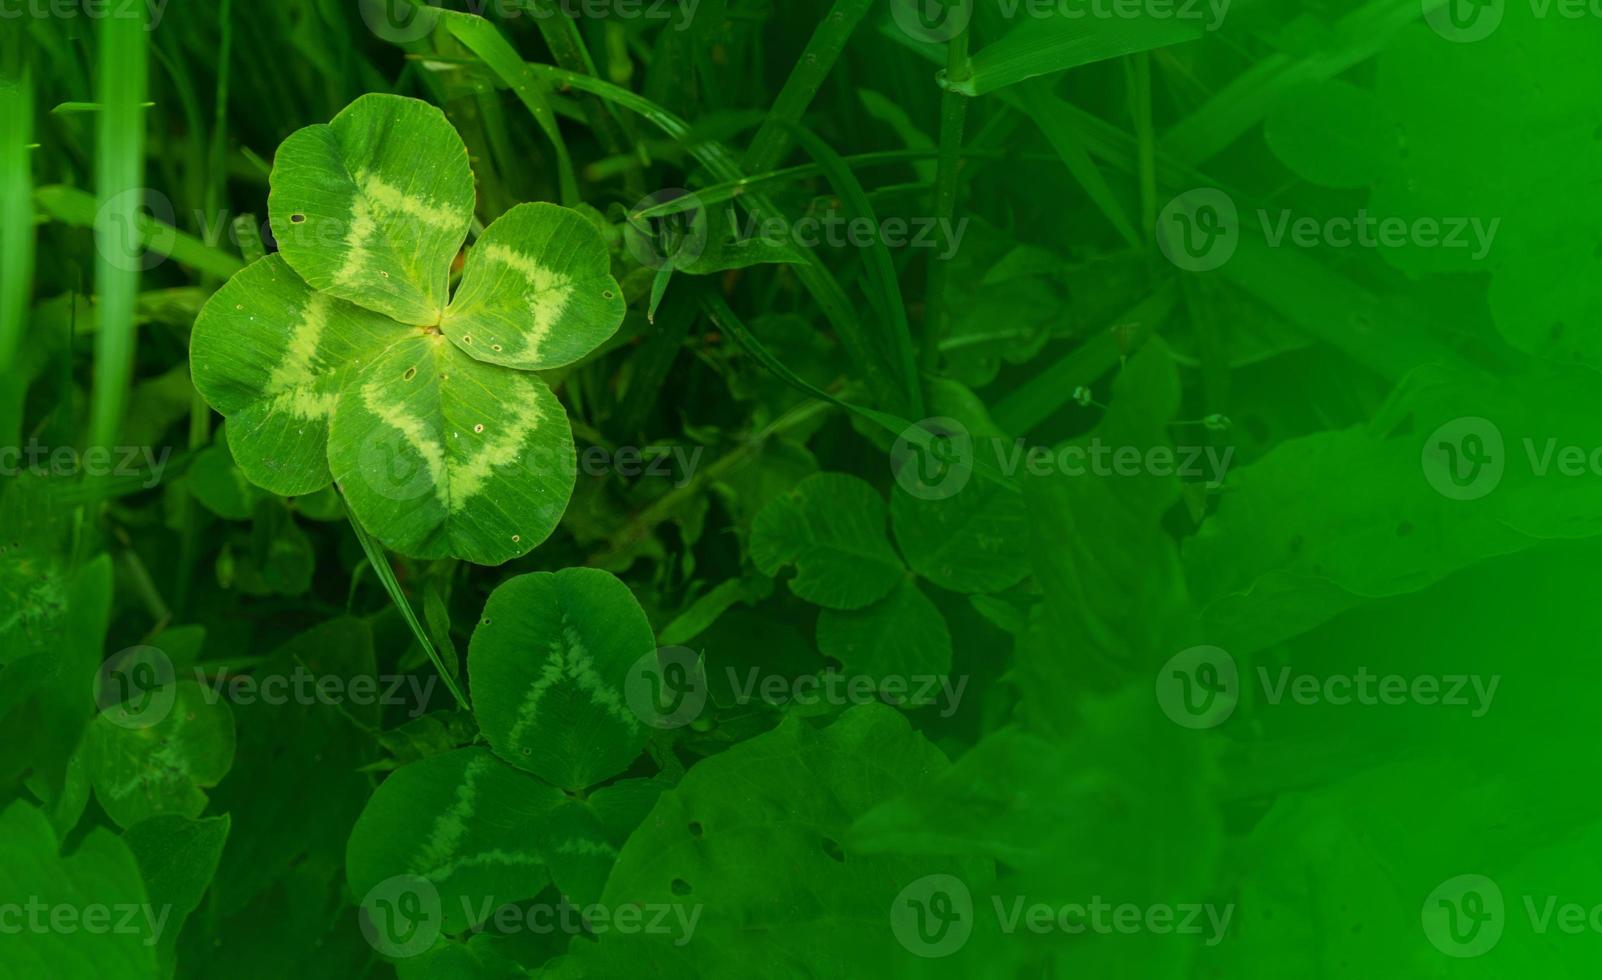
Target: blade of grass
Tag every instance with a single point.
(74, 207)
(1037, 47)
(480, 37)
(119, 173)
(1039, 398)
(879, 375)
(772, 141)
(386, 576)
(567, 46)
(1245, 102)
(953, 120)
(1064, 135)
(915, 434)
(882, 287)
(17, 241)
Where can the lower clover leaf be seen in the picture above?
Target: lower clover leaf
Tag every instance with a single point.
(338, 358)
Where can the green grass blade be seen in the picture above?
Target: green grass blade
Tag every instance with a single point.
(771, 142)
(74, 207)
(1037, 47)
(119, 176)
(953, 120)
(882, 286)
(1245, 102)
(1066, 138)
(879, 375)
(386, 576)
(17, 241)
(480, 37)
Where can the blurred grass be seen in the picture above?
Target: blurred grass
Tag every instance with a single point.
(119, 183)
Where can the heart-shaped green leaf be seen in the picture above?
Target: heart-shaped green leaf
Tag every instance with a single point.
(441, 455)
(373, 206)
(831, 528)
(466, 823)
(537, 291)
(548, 664)
(161, 767)
(331, 358)
(271, 354)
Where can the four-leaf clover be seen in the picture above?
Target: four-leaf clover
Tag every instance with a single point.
(344, 356)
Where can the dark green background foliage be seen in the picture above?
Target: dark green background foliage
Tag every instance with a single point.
(1079, 489)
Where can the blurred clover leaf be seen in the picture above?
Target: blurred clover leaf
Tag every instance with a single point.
(345, 357)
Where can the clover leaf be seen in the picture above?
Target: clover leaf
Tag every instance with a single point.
(344, 356)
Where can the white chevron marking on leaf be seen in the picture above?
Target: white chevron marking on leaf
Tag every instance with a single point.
(548, 295)
(361, 230)
(413, 430)
(468, 477)
(394, 200)
(568, 660)
(293, 379)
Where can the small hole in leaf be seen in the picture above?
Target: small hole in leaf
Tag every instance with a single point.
(527, 751)
(516, 538)
(467, 338)
(832, 848)
(696, 830)
(479, 427)
(495, 347)
(296, 219)
(239, 306)
(410, 373)
(607, 294)
(680, 887)
(384, 274)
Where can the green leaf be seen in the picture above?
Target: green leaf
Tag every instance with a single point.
(465, 823)
(100, 872)
(831, 528)
(548, 663)
(271, 354)
(751, 842)
(159, 758)
(1334, 134)
(975, 540)
(537, 291)
(373, 206)
(177, 857)
(901, 635)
